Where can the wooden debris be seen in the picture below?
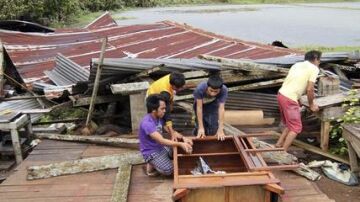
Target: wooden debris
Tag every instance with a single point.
(112, 141)
(327, 101)
(252, 86)
(83, 165)
(328, 86)
(279, 157)
(84, 101)
(316, 150)
(245, 65)
(129, 88)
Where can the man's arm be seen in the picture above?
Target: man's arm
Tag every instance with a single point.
(161, 140)
(220, 132)
(199, 115)
(310, 92)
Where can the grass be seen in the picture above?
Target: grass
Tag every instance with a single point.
(329, 49)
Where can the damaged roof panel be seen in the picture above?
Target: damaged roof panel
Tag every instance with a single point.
(33, 53)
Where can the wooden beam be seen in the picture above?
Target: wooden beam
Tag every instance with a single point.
(83, 165)
(137, 110)
(112, 141)
(328, 101)
(245, 65)
(122, 183)
(317, 150)
(84, 101)
(232, 78)
(252, 86)
(129, 88)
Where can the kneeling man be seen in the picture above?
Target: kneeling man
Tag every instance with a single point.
(156, 150)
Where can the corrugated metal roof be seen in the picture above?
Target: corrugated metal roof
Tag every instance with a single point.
(16, 106)
(33, 53)
(66, 72)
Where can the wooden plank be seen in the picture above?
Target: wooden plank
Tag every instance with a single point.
(121, 187)
(112, 141)
(129, 88)
(327, 101)
(84, 101)
(83, 165)
(324, 136)
(252, 86)
(245, 65)
(316, 150)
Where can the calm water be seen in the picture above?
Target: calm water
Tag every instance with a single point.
(332, 24)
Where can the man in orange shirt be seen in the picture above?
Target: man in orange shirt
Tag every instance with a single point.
(167, 87)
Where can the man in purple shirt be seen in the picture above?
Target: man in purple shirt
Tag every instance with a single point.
(156, 150)
(209, 107)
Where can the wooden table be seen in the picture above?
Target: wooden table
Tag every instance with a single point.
(13, 122)
(330, 110)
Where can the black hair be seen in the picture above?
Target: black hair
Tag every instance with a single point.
(177, 79)
(153, 102)
(215, 81)
(312, 55)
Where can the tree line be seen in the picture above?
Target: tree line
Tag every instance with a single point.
(64, 11)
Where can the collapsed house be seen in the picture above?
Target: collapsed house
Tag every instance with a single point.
(61, 66)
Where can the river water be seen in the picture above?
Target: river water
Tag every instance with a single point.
(330, 24)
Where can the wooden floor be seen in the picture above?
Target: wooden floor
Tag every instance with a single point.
(95, 186)
(98, 186)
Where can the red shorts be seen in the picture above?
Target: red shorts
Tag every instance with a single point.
(290, 113)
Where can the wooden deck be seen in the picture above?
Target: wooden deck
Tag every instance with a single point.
(98, 186)
(95, 186)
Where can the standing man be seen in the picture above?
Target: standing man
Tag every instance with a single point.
(209, 107)
(156, 150)
(300, 79)
(168, 86)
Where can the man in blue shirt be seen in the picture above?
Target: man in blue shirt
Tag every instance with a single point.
(209, 107)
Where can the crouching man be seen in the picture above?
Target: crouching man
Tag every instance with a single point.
(156, 150)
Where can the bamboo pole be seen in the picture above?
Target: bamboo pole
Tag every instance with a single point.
(96, 84)
(112, 141)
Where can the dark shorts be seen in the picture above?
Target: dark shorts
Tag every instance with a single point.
(210, 120)
(290, 113)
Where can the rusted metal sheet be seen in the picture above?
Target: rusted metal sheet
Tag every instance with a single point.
(33, 53)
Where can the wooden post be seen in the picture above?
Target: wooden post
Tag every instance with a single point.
(2, 81)
(325, 129)
(137, 110)
(16, 145)
(96, 84)
(353, 158)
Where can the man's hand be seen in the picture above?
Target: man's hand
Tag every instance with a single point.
(186, 147)
(220, 134)
(201, 133)
(314, 107)
(173, 137)
(187, 140)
